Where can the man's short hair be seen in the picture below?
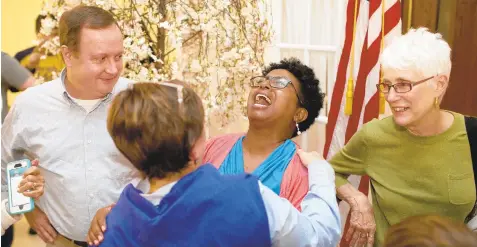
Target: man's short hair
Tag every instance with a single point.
(74, 20)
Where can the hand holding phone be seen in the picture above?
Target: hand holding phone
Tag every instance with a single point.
(18, 203)
(33, 183)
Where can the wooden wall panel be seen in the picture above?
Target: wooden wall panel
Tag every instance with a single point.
(461, 95)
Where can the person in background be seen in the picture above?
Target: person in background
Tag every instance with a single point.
(282, 103)
(418, 159)
(32, 185)
(63, 124)
(430, 231)
(13, 75)
(183, 203)
(34, 59)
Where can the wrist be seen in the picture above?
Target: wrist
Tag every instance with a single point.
(349, 194)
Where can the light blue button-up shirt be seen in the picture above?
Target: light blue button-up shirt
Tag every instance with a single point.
(82, 167)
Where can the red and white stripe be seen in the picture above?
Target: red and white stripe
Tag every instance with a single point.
(368, 37)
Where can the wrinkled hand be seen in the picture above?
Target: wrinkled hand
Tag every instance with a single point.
(41, 224)
(308, 157)
(98, 226)
(362, 224)
(33, 183)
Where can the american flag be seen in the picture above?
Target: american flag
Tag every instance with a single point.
(366, 73)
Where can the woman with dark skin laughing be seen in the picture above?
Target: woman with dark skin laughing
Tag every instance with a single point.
(283, 103)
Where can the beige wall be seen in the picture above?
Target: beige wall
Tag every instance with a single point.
(18, 24)
(18, 27)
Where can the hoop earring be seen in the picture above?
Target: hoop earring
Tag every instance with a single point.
(436, 102)
(298, 129)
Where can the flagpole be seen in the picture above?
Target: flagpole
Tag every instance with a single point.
(409, 15)
(382, 102)
(350, 88)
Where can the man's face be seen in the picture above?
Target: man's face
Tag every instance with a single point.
(97, 63)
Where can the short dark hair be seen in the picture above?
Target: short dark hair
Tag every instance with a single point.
(309, 91)
(74, 20)
(153, 130)
(38, 20)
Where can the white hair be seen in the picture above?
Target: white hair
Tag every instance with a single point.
(418, 50)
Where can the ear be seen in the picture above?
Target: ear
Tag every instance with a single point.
(300, 115)
(67, 54)
(442, 81)
(198, 148)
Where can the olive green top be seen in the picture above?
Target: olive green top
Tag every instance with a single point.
(410, 175)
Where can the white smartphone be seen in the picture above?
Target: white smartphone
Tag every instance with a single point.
(17, 202)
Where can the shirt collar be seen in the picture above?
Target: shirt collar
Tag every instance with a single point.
(106, 99)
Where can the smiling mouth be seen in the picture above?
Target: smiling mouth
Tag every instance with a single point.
(262, 99)
(400, 109)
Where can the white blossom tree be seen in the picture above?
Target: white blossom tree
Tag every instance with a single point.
(215, 45)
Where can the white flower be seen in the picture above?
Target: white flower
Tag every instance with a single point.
(165, 25)
(72, 3)
(230, 55)
(47, 25)
(228, 42)
(143, 74)
(245, 50)
(222, 4)
(195, 66)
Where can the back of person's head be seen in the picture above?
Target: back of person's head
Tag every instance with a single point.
(418, 50)
(430, 231)
(74, 20)
(156, 126)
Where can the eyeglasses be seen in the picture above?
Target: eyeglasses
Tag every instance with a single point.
(278, 82)
(400, 87)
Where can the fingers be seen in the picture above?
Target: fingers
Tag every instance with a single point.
(102, 220)
(309, 156)
(25, 187)
(45, 235)
(35, 162)
(98, 226)
(370, 239)
(30, 184)
(350, 232)
(51, 232)
(35, 194)
(32, 171)
(371, 233)
(95, 234)
(353, 224)
(355, 238)
(363, 237)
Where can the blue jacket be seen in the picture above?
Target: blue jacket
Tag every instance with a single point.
(204, 208)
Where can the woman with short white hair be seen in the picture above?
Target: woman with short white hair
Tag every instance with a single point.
(418, 160)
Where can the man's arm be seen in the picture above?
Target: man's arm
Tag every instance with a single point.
(319, 222)
(13, 148)
(16, 75)
(13, 143)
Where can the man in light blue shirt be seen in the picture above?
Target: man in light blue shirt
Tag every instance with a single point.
(63, 124)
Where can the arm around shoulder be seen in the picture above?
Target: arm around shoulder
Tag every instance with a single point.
(319, 222)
